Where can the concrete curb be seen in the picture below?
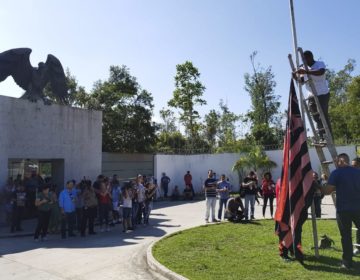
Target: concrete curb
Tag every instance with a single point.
(154, 265)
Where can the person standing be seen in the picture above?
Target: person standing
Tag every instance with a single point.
(126, 194)
(150, 191)
(90, 202)
(165, 180)
(188, 182)
(19, 197)
(356, 163)
(317, 195)
(67, 199)
(268, 192)
(317, 72)
(345, 180)
(223, 189)
(210, 196)
(44, 203)
(250, 189)
(104, 206)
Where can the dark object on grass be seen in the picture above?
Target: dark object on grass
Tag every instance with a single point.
(16, 63)
(326, 242)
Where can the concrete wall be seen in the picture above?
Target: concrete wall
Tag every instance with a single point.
(127, 165)
(175, 166)
(36, 131)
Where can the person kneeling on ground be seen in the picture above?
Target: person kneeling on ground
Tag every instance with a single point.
(188, 193)
(232, 213)
(175, 194)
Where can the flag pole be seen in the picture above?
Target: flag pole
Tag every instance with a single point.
(295, 43)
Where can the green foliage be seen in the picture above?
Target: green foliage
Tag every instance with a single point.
(127, 112)
(255, 159)
(264, 113)
(249, 251)
(344, 103)
(171, 142)
(187, 94)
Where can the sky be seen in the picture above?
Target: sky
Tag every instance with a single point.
(152, 37)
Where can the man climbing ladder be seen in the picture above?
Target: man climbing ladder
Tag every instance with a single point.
(317, 71)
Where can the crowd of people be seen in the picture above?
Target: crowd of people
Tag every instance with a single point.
(77, 207)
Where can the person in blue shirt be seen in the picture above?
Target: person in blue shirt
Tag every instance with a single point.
(345, 180)
(67, 200)
(223, 190)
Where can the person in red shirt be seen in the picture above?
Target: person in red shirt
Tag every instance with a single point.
(188, 182)
(268, 191)
(104, 206)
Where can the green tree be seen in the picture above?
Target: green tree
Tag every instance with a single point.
(168, 124)
(211, 127)
(187, 94)
(255, 159)
(127, 112)
(264, 113)
(342, 106)
(227, 126)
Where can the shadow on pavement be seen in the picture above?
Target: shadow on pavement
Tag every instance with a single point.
(114, 238)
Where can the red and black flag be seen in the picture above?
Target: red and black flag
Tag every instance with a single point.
(296, 191)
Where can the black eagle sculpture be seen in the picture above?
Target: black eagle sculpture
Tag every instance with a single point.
(16, 63)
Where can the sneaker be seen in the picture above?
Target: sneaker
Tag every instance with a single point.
(207, 221)
(346, 266)
(356, 252)
(252, 218)
(215, 221)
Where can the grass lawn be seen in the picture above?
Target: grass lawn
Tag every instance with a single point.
(249, 251)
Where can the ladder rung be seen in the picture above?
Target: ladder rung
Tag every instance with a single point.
(356, 245)
(327, 162)
(319, 144)
(315, 113)
(354, 228)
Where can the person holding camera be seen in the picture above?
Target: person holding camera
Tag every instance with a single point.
(43, 202)
(210, 195)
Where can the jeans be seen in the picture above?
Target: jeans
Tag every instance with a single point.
(68, 222)
(148, 208)
(134, 211)
(324, 103)
(43, 224)
(89, 214)
(104, 209)
(271, 203)
(249, 202)
(222, 204)
(344, 221)
(210, 204)
(317, 204)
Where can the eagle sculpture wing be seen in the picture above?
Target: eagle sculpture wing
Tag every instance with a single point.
(56, 76)
(16, 63)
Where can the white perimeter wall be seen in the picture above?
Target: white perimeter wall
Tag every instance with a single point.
(36, 131)
(175, 166)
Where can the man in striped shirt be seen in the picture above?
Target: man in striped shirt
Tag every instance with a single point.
(210, 195)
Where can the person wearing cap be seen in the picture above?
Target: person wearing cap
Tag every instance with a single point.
(43, 202)
(223, 190)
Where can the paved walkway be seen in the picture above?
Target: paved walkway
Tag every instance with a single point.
(111, 255)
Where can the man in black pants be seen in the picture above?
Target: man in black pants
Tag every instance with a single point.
(346, 181)
(356, 163)
(317, 72)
